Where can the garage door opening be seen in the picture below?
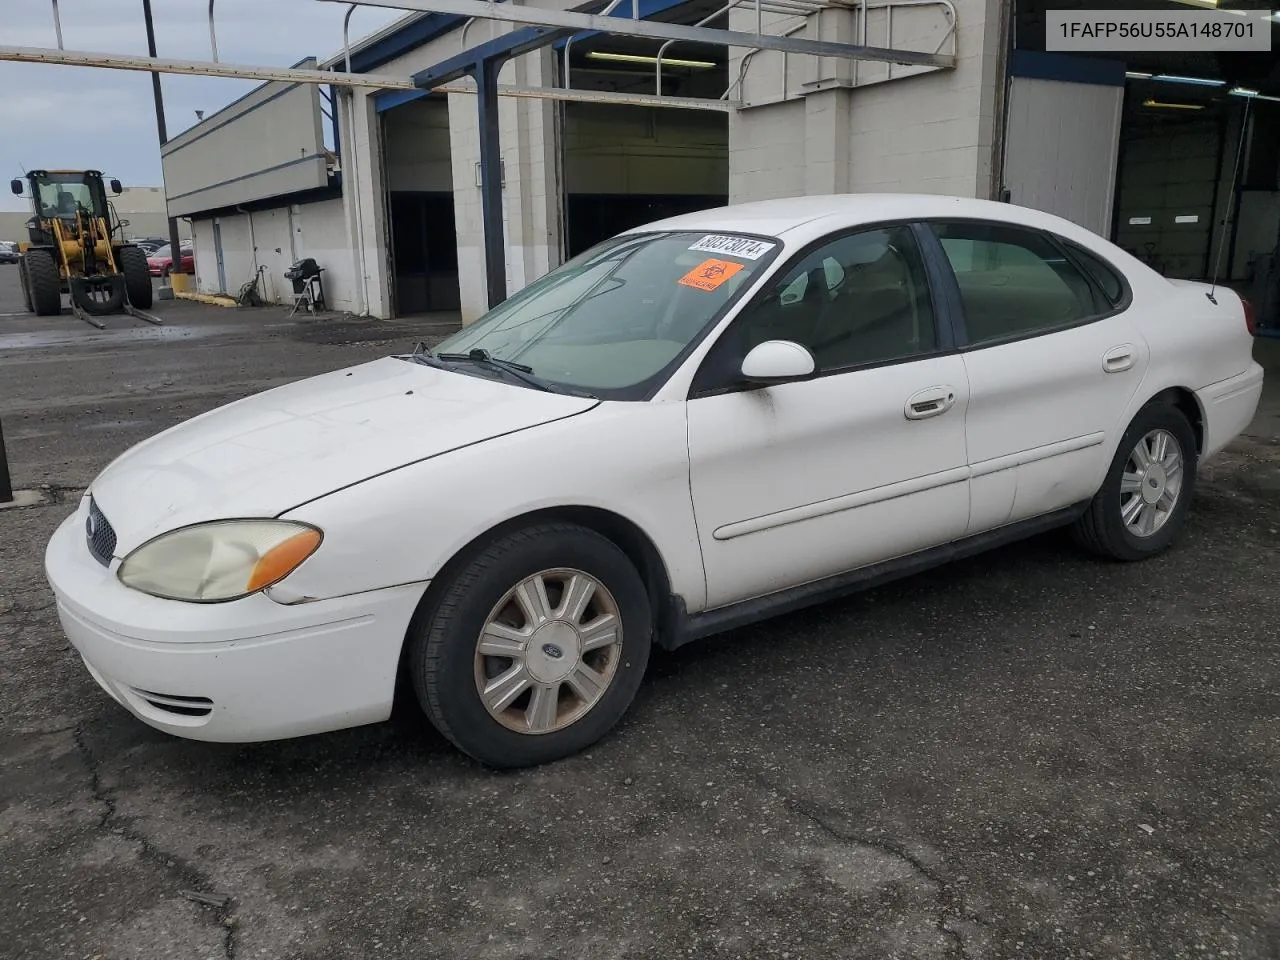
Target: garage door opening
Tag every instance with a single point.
(624, 166)
(424, 248)
(1175, 156)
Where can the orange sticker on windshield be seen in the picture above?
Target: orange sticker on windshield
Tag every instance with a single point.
(709, 274)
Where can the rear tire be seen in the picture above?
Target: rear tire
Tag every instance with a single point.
(1141, 508)
(513, 688)
(137, 276)
(44, 284)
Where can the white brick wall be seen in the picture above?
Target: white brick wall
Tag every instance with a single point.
(928, 133)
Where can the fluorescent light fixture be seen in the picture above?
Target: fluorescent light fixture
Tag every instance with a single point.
(1251, 94)
(1195, 81)
(1165, 105)
(1134, 75)
(1207, 4)
(638, 58)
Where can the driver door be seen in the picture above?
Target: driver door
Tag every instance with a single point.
(863, 462)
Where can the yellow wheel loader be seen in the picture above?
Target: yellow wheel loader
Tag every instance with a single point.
(76, 246)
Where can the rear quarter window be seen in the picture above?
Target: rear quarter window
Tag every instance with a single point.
(1106, 277)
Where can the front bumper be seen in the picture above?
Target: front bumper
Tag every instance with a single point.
(251, 669)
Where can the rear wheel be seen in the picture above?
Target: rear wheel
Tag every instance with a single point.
(1145, 497)
(44, 284)
(137, 276)
(535, 648)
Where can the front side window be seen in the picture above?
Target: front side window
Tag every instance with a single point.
(1014, 282)
(858, 299)
(613, 320)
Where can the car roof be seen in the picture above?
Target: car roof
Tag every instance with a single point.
(817, 215)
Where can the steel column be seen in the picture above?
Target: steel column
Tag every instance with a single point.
(495, 250)
(175, 243)
(6, 485)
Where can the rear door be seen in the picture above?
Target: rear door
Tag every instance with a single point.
(1052, 359)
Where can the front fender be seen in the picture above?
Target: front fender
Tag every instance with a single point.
(630, 459)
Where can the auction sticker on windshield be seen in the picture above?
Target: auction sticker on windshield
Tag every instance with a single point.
(743, 247)
(709, 274)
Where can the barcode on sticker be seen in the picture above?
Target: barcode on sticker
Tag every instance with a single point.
(743, 247)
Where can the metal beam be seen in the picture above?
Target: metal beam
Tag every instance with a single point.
(510, 45)
(595, 96)
(203, 68)
(657, 30)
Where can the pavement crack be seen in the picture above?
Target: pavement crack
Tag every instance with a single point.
(187, 875)
(948, 901)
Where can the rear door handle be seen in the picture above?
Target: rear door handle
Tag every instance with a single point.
(1119, 359)
(930, 402)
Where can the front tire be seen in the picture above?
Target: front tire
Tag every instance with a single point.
(44, 283)
(535, 647)
(137, 276)
(1147, 492)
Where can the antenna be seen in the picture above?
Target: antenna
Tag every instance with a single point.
(1231, 202)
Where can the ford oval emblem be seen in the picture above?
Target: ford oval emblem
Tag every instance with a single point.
(90, 526)
(552, 651)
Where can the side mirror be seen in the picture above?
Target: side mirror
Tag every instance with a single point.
(116, 188)
(16, 187)
(777, 361)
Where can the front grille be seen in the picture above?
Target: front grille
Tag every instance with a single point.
(99, 535)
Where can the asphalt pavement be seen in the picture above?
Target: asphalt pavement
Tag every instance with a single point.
(1029, 754)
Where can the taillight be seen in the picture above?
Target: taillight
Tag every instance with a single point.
(1250, 319)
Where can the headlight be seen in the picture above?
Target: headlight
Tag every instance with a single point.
(223, 560)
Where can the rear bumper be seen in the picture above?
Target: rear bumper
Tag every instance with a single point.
(1229, 407)
(247, 670)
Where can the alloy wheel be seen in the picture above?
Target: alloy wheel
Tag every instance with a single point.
(1151, 483)
(548, 651)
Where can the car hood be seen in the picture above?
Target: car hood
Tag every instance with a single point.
(265, 454)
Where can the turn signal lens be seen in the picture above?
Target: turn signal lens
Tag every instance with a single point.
(223, 560)
(280, 561)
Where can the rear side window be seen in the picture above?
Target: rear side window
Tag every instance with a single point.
(1014, 282)
(1101, 272)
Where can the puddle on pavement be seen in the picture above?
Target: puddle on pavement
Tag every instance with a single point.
(60, 338)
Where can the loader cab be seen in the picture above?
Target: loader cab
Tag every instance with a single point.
(65, 195)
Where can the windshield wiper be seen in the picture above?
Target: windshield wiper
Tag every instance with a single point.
(483, 358)
(424, 356)
(519, 371)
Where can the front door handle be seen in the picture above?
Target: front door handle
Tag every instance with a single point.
(930, 402)
(1119, 359)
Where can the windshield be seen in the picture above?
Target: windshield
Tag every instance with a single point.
(67, 195)
(613, 320)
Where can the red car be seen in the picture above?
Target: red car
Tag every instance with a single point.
(162, 260)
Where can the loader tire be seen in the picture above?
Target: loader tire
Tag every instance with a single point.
(44, 284)
(137, 276)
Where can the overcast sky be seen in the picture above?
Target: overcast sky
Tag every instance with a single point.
(78, 117)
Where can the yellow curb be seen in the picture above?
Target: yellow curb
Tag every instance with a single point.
(209, 298)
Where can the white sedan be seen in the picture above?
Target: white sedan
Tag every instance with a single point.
(694, 425)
